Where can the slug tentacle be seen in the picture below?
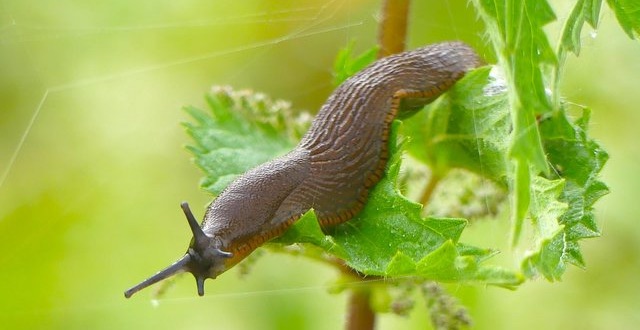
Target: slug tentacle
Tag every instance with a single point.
(200, 239)
(197, 260)
(175, 268)
(337, 162)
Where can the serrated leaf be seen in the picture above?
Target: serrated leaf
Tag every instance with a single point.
(467, 128)
(516, 31)
(471, 128)
(307, 230)
(449, 228)
(472, 132)
(546, 211)
(628, 14)
(446, 264)
(573, 255)
(441, 263)
(578, 160)
(545, 207)
(388, 237)
(401, 264)
(389, 224)
(548, 259)
(240, 131)
(583, 10)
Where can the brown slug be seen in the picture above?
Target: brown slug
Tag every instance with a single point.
(341, 157)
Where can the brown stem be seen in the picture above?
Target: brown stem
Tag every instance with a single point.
(360, 315)
(391, 39)
(392, 32)
(428, 191)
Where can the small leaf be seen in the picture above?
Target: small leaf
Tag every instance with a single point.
(592, 12)
(307, 230)
(570, 39)
(583, 10)
(346, 65)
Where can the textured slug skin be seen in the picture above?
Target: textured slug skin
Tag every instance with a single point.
(341, 157)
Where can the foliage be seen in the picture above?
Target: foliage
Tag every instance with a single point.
(244, 129)
(628, 14)
(505, 123)
(412, 243)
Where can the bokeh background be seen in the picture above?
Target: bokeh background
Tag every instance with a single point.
(93, 165)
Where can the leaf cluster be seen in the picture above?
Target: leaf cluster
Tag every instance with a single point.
(504, 123)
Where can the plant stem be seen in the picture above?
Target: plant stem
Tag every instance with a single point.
(392, 32)
(428, 191)
(360, 316)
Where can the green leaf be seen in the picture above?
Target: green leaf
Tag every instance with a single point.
(577, 160)
(468, 128)
(628, 14)
(545, 207)
(389, 237)
(583, 10)
(346, 64)
(449, 228)
(441, 263)
(547, 259)
(471, 128)
(516, 31)
(522, 200)
(240, 131)
(307, 230)
(546, 211)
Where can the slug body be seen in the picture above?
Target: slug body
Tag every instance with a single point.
(332, 169)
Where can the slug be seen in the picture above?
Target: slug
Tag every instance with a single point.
(337, 162)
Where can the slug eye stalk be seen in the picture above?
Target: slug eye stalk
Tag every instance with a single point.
(200, 258)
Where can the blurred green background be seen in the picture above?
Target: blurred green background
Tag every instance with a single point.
(92, 94)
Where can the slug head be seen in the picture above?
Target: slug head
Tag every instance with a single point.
(202, 259)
